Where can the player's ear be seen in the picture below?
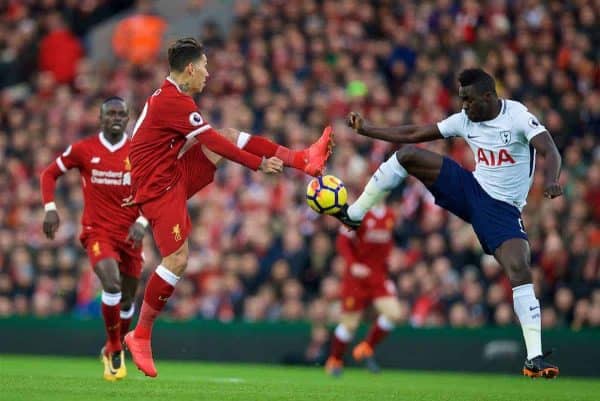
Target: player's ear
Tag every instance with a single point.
(189, 69)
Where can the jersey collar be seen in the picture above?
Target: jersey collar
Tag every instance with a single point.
(112, 148)
(174, 83)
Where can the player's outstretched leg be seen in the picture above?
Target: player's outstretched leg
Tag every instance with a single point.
(408, 160)
(514, 256)
(311, 160)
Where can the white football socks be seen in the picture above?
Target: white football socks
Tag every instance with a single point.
(527, 308)
(387, 177)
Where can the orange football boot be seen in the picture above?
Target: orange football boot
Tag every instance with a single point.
(141, 354)
(334, 367)
(318, 153)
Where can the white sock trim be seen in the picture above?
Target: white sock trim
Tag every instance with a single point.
(128, 314)
(343, 334)
(167, 275)
(523, 291)
(384, 323)
(243, 139)
(111, 299)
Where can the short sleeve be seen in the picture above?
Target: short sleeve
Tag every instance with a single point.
(70, 158)
(454, 125)
(528, 125)
(186, 119)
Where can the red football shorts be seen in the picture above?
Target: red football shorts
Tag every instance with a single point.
(101, 246)
(168, 214)
(358, 293)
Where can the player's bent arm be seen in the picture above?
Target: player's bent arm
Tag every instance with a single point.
(402, 134)
(544, 144)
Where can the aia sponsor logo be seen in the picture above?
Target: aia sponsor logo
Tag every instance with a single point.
(494, 159)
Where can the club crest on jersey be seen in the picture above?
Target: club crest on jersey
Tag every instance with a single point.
(96, 249)
(176, 232)
(505, 137)
(196, 119)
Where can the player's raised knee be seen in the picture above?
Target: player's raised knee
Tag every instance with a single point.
(407, 154)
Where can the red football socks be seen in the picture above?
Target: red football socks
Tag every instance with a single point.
(126, 318)
(112, 323)
(338, 347)
(156, 296)
(125, 323)
(376, 335)
(263, 147)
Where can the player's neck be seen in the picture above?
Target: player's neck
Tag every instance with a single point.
(112, 138)
(181, 83)
(495, 112)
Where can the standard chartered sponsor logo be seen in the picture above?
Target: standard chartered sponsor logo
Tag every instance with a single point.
(110, 177)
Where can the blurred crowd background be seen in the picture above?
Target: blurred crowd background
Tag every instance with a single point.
(285, 69)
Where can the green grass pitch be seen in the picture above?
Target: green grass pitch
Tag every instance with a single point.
(33, 378)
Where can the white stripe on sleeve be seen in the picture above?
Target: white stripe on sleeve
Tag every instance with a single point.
(61, 165)
(198, 131)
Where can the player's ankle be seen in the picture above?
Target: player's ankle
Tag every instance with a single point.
(142, 332)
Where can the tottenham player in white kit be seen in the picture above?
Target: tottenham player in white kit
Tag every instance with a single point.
(504, 138)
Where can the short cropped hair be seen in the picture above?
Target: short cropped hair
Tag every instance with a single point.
(183, 52)
(115, 98)
(481, 80)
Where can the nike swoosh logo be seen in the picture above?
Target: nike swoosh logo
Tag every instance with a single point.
(532, 309)
(471, 137)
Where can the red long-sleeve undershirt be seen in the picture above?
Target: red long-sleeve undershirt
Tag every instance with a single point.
(48, 181)
(223, 147)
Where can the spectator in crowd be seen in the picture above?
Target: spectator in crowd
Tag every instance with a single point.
(138, 37)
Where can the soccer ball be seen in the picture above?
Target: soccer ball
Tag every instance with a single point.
(326, 194)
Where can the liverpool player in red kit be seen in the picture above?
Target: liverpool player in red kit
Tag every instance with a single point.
(173, 155)
(365, 281)
(110, 234)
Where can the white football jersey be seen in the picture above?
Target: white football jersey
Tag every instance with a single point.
(505, 161)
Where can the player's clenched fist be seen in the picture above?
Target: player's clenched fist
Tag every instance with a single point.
(51, 223)
(272, 165)
(355, 121)
(552, 190)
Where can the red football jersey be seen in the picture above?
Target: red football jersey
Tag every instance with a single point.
(372, 243)
(106, 181)
(169, 119)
